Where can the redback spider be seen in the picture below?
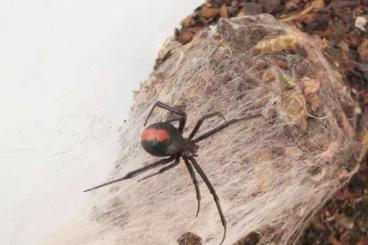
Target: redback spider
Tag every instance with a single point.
(162, 139)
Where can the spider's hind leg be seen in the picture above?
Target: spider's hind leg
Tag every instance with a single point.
(134, 173)
(162, 170)
(195, 183)
(213, 192)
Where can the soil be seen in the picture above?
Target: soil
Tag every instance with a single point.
(341, 29)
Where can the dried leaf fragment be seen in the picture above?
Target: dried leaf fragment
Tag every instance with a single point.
(310, 89)
(310, 86)
(287, 80)
(292, 110)
(289, 41)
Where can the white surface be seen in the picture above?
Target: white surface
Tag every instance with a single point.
(67, 69)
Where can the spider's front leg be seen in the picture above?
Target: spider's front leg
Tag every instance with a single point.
(183, 115)
(200, 121)
(222, 126)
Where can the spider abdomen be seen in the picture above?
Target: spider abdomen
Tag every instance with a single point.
(162, 139)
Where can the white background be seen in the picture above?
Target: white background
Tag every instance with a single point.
(67, 70)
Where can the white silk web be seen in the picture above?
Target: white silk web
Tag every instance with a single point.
(271, 173)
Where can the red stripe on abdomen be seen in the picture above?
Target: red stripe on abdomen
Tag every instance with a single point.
(155, 134)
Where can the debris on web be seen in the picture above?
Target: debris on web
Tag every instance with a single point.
(189, 238)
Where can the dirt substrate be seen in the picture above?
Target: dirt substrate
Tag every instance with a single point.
(341, 29)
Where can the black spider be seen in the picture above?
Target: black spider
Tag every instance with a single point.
(163, 139)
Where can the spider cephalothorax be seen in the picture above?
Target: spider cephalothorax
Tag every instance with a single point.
(162, 139)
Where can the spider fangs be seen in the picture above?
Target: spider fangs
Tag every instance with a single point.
(162, 139)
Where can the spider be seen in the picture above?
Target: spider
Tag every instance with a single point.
(162, 139)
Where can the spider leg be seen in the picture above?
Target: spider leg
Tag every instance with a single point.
(177, 111)
(174, 120)
(213, 192)
(134, 173)
(222, 126)
(162, 170)
(195, 182)
(200, 121)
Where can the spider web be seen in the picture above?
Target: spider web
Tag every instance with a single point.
(271, 173)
